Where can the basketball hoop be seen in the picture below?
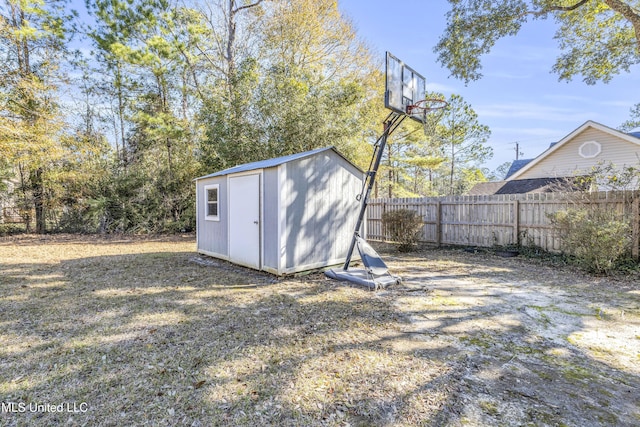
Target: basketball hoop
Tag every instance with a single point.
(421, 108)
(424, 106)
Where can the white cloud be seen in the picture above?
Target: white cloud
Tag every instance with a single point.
(533, 111)
(619, 103)
(531, 133)
(565, 98)
(442, 88)
(509, 76)
(595, 101)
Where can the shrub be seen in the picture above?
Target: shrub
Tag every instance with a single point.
(11, 229)
(594, 236)
(402, 226)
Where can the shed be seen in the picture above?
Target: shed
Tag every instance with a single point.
(282, 215)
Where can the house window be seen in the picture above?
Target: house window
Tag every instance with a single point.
(590, 149)
(212, 202)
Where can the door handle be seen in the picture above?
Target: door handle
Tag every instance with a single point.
(255, 222)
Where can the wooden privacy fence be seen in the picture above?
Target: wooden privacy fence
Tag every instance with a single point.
(510, 219)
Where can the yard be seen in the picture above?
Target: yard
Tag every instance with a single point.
(130, 331)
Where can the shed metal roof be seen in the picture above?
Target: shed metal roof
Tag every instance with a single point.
(269, 163)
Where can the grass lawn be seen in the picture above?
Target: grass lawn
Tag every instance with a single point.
(139, 333)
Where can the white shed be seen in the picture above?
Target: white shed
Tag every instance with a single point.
(282, 215)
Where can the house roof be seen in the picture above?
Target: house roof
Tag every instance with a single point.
(522, 186)
(516, 166)
(539, 185)
(555, 147)
(269, 163)
(485, 188)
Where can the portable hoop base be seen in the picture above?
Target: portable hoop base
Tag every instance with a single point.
(362, 277)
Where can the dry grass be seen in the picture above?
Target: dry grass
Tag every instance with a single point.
(146, 332)
(145, 335)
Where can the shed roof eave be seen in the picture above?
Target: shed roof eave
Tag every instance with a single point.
(269, 163)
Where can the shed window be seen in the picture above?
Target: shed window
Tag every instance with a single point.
(212, 202)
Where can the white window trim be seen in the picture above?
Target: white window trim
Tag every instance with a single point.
(590, 156)
(206, 202)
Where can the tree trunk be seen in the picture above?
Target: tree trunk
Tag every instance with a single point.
(38, 200)
(24, 206)
(452, 169)
(121, 113)
(629, 13)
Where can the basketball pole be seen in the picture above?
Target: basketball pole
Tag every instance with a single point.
(391, 123)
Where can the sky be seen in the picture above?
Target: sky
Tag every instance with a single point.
(519, 98)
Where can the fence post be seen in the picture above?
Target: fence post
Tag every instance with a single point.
(635, 236)
(438, 223)
(516, 222)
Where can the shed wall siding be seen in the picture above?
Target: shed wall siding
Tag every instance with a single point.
(270, 218)
(319, 198)
(212, 235)
(566, 160)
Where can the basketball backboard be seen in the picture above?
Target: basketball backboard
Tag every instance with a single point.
(403, 87)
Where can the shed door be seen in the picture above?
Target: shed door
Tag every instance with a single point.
(244, 220)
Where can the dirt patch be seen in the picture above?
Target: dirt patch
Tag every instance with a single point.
(529, 344)
(132, 331)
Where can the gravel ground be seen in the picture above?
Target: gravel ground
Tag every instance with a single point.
(527, 343)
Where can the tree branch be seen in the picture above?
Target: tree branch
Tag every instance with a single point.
(247, 6)
(568, 8)
(630, 14)
(618, 6)
(553, 8)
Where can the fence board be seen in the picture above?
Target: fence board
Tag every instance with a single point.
(500, 219)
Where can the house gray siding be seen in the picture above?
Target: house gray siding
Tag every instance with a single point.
(212, 235)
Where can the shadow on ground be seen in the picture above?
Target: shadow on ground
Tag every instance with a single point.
(162, 336)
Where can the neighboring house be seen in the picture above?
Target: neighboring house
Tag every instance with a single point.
(282, 215)
(590, 145)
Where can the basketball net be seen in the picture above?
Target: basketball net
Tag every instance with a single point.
(429, 111)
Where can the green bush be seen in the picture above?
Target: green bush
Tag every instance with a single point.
(594, 236)
(402, 226)
(11, 229)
